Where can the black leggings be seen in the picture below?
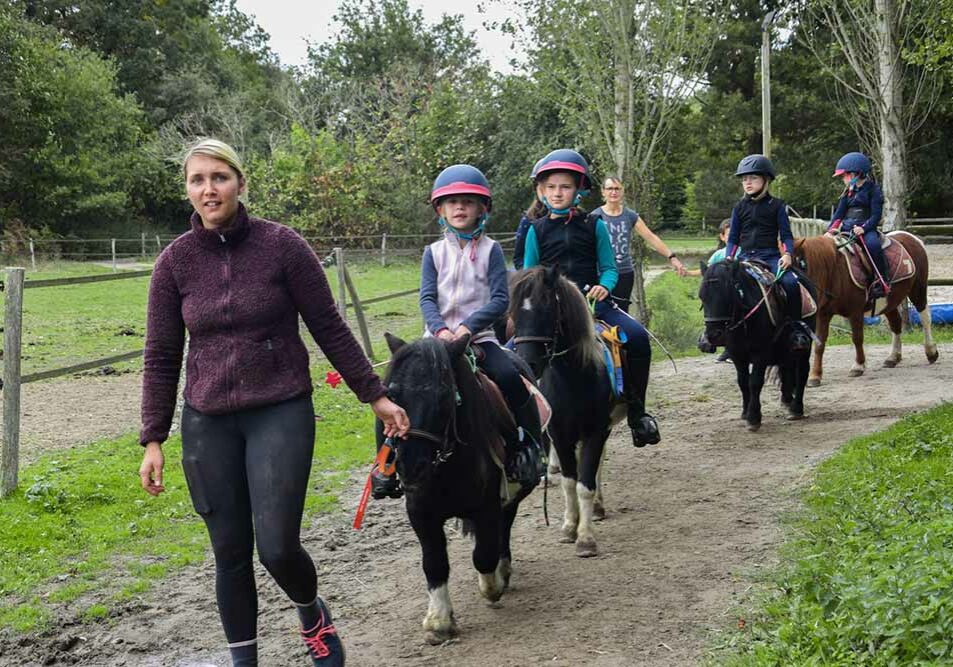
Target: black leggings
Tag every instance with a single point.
(245, 469)
(500, 367)
(623, 291)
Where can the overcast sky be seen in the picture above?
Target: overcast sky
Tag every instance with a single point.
(291, 23)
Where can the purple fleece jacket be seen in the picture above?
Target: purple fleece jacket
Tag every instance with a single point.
(239, 292)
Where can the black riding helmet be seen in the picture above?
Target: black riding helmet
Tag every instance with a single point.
(756, 164)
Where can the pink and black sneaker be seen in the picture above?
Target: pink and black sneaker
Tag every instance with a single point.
(324, 645)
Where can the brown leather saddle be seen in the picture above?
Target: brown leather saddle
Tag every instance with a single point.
(900, 265)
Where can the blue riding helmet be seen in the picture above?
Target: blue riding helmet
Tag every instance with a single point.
(852, 163)
(756, 164)
(564, 159)
(461, 179)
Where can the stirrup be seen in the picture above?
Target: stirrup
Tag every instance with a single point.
(384, 486)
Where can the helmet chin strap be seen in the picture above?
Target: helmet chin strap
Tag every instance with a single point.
(565, 211)
(466, 236)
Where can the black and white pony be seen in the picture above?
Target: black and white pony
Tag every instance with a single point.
(450, 466)
(737, 317)
(555, 335)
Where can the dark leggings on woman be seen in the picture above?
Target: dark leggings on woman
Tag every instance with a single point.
(622, 293)
(248, 473)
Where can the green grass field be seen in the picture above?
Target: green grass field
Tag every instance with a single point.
(867, 567)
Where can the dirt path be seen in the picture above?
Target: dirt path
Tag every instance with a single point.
(688, 520)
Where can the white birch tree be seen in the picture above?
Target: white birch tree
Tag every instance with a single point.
(864, 45)
(619, 72)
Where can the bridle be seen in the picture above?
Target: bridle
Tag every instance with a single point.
(549, 342)
(446, 442)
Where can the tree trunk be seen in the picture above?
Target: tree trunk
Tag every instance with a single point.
(892, 146)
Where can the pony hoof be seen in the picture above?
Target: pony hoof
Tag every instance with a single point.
(891, 363)
(587, 548)
(794, 416)
(754, 427)
(438, 637)
(932, 357)
(598, 513)
(855, 372)
(567, 535)
(814, 382)
(505, 570)
(744, 415)
(492, 585)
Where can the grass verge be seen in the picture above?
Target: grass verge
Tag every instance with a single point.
(867, 568)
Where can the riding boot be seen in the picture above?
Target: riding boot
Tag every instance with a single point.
(799, 337)
(526, 460)
(643, 426)
(879, 289)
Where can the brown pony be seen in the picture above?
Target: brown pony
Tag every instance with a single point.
(837, 295)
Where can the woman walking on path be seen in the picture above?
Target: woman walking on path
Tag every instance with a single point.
(620, 221)
(238, 284)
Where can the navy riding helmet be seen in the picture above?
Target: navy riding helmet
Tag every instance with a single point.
(568, 160)
(756, 164)
(852, 163)
(461, 179)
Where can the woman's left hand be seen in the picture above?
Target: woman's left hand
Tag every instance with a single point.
(395, 420)
(785, 262)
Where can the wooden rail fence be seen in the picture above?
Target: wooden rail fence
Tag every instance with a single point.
(13, 379)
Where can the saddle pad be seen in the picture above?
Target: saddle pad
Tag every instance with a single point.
(808, 304)
(612, 340)
(900, 265)
(504, 418)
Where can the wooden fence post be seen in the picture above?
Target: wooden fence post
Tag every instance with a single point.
(342, 287)
(359, 312)
(13, 319)
(115, 268)
(32, 255)
(384, 249)
(143, 245)
(158, 245)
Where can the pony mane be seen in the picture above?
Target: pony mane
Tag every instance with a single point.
(472, 425)
(577, 326)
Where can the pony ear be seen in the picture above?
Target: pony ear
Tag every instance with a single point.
(456, 348)
(393, 342)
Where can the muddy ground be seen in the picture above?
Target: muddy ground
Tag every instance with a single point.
(690, 522)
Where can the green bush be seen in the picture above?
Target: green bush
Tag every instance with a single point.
(867, 573)
(676, 318)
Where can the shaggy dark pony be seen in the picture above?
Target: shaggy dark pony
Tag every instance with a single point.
(554, 334)
(450, 466)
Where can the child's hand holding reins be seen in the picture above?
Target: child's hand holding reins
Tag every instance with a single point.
(597, 293)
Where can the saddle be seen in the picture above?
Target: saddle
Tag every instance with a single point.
(900, 265)
(776, 299)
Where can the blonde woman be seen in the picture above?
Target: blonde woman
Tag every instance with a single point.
(238, 285)
(620, 221)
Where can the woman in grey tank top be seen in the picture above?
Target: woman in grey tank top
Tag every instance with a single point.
(621, 220)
